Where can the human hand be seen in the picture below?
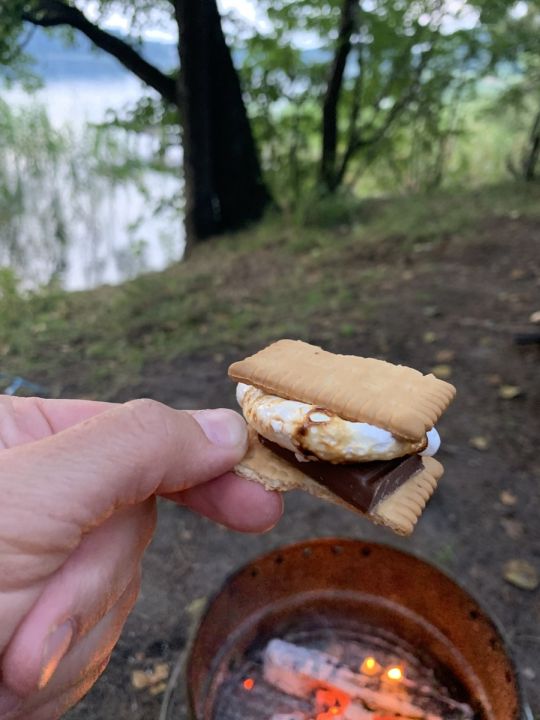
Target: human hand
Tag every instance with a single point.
(78, 481)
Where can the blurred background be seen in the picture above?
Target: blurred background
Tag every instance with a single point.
(182, 182)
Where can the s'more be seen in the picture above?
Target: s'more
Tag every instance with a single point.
(356, 431)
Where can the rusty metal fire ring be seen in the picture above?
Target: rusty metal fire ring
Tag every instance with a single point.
(389, 589)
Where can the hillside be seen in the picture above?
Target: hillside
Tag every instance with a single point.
(55, 58)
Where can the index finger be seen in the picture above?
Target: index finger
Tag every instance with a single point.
(24, 420)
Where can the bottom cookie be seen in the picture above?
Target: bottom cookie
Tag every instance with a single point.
(393, 493)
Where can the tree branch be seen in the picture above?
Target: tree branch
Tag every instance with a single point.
(394, 112)
(353, 118)
(53, 13)
(333, 91)
(402, 102)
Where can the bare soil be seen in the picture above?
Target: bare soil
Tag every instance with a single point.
(459, 303)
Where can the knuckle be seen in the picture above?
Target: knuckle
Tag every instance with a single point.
(147, 416)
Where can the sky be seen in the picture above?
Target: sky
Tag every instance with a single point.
(460, 15)
(116, 21)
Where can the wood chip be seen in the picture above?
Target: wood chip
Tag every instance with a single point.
(521, 574)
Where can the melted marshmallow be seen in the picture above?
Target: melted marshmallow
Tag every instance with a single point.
(314, 433)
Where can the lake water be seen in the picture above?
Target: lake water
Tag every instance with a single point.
(108, 249)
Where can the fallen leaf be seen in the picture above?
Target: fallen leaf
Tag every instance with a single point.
(443, 372)
(445, 356)
(535, 317)
(509, 392)
(521, 574)
(479, 442)
(429, 337)
(513, 528)
(508, 498)
(196, 607)
(142, 679)
(158, 689)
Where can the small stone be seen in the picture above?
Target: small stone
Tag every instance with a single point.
(535, 317)
(479, 442)
(443, 372)
(521, 574)
(529, 673)
(508, 498)
(509, 392)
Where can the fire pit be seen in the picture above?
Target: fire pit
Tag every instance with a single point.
(346, 629)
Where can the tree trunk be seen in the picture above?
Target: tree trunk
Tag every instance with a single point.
(328, 171)
(224, 186)
(533, 151)
(223, 181)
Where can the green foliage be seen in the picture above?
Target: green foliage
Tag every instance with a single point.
(515, 45)
(411, 78)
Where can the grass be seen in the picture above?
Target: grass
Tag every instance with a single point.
(235, 292)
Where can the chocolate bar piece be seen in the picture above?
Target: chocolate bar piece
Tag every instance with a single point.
(362, 485)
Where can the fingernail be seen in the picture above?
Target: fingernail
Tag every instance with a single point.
(56, 646)
(222, 427)
(8, 702)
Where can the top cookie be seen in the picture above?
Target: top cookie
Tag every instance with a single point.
(394, 397)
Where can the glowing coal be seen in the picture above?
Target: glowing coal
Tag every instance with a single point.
(339, 691)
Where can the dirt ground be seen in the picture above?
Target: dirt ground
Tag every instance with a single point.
(457, 304)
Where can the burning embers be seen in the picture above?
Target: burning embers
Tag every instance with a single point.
(364, 632)
(372, 691)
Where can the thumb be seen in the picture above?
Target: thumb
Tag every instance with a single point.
(72, 481)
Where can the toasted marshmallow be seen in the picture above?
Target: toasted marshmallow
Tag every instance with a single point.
(314, 433)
